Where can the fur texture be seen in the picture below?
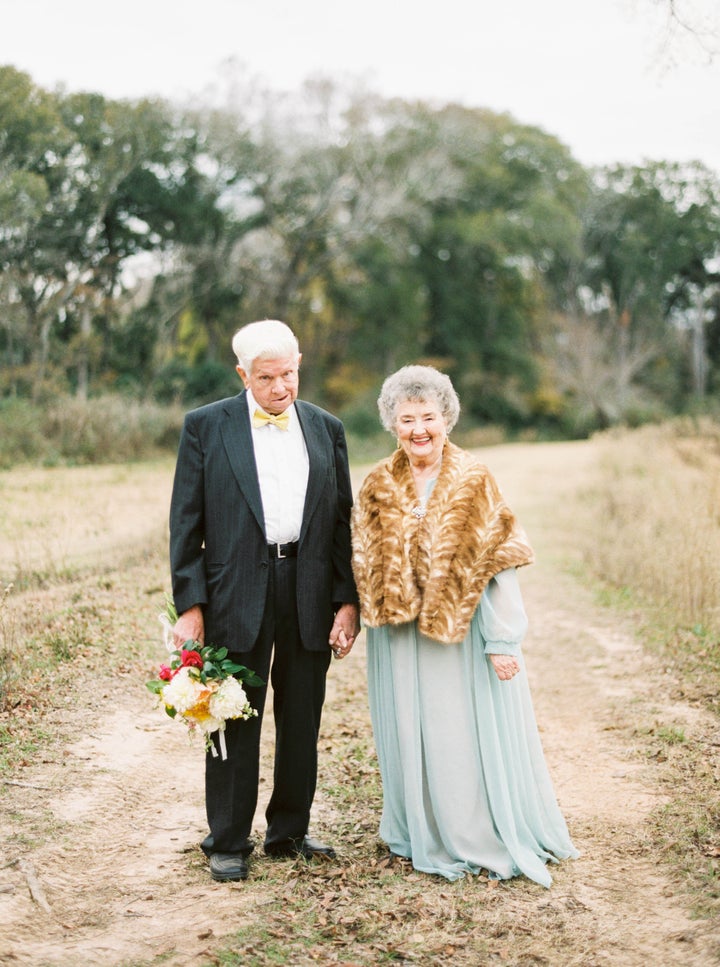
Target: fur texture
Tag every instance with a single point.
(432, 568)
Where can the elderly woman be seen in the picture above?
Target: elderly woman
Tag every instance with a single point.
(435, 548)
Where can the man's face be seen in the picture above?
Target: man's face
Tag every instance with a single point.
(273, 382)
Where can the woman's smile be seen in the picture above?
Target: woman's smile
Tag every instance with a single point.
(421, 431)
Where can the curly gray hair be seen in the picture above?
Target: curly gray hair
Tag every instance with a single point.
(419, 384)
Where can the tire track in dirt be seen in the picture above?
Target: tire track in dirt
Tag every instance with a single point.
(593, 686)
(112, 825)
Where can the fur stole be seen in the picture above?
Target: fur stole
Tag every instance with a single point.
(432, 568)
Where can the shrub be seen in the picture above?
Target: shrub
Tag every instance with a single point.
(111, 429)
(106, 429)
(21, 433)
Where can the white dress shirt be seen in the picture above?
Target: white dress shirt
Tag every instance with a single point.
(283, 466)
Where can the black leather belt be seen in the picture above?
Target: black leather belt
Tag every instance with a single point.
(278, 551)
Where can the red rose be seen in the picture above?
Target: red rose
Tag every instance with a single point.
(165, 673)
(191, 658)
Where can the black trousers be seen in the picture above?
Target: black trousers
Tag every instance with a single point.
(298, 681)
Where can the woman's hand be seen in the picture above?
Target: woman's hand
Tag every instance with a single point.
(506, 666)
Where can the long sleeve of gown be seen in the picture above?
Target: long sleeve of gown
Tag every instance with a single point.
(501, 614)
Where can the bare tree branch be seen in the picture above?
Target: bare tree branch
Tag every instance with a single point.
(690, 26)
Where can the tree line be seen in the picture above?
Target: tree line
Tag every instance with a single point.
(136, 236)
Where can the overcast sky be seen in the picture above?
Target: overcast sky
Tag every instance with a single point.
(594, 73)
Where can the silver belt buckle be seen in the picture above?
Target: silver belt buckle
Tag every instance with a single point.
(279, 553)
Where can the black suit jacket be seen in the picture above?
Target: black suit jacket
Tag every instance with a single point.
(218, 548)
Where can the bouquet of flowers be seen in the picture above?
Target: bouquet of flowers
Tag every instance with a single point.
(202, 685)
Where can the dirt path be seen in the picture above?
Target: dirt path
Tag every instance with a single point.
(109, 872)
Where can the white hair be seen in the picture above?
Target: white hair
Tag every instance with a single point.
(267, 339)
(423, 384)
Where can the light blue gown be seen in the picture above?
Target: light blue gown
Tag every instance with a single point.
(465, 785)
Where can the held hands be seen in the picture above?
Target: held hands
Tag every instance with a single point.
(506, 666)
(190, 626)
(345, 630)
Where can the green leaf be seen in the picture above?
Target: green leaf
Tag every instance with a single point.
(170, 609)
(248, 677)
(230, 668)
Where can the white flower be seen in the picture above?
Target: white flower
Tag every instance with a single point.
(182, 692)
(230, 701)
(209, 724)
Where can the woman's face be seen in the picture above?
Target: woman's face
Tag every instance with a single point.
(420, 430)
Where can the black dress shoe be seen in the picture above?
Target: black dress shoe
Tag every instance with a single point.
(311, 847)
(306, 847)
(227, 867)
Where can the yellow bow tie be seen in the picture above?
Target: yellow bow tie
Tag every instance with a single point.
(260, 418)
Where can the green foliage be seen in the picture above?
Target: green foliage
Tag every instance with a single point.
(21, 432)
(214, 665)
(136, 237)
(652, 233)
(670, 734)
(195, 385)
(109, 429)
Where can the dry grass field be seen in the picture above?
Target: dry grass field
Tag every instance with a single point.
(61, 522)
(102, 795)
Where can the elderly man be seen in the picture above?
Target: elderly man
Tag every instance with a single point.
(260, 559)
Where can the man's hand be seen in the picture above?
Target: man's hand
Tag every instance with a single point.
(345, 630)
(190, 626)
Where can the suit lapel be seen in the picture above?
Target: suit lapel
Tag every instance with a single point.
(316, 444)
(237, 439)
